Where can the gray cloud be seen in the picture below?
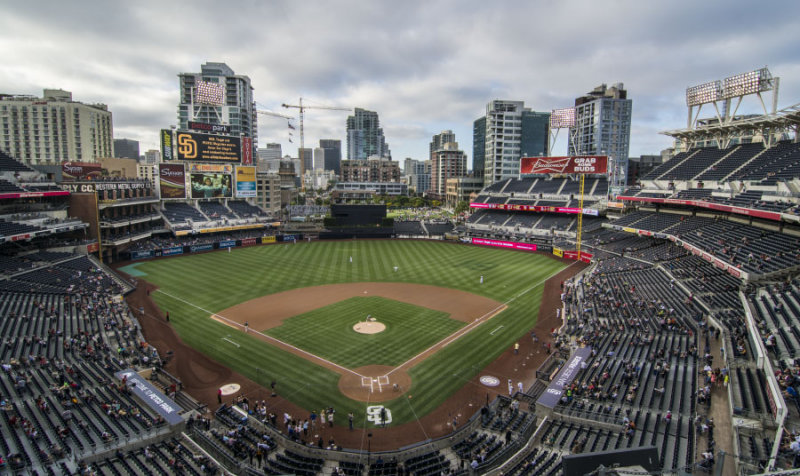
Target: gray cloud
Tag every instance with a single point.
(423, 66)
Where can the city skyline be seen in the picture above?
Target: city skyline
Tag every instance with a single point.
(432, 68)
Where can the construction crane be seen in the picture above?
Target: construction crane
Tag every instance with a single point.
(302, 110)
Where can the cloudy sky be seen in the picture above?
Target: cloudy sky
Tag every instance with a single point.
(423, 66)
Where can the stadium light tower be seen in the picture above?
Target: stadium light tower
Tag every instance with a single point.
(734, 87)
(560, 119)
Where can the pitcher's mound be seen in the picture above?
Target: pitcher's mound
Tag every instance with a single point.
(369, 327)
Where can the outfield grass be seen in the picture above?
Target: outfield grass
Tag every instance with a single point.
(192, 287)
(328, 331)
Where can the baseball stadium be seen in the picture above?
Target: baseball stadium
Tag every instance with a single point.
(561, 326)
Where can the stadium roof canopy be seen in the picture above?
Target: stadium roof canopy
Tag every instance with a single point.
(769, 126)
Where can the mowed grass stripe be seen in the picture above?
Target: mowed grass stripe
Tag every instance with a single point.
(215, 281)
(328, 331)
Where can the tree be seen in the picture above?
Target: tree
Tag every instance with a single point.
(461, 207)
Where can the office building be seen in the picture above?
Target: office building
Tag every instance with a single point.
(365, 137)
(216, 95)
(54, 128)
(418, 175)
(512, 131)
(306, 159)
(603, 127)
(126, 149)
(152, 156)
(269, 158)
(333, 154)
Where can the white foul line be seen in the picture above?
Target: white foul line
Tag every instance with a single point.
(466, 329)
(497, 329)
(309, 354)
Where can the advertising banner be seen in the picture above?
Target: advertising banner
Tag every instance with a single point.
(152, 396)
(552, 395)
(175, 250)
(93, 247)
(207, 148)
(712, 206)
(247, 151)
(534, 208)
(166, 144)
(267, 239)
(172, 180)
(558, 252)
(141, 254)
(594, 164)
(246, 182)
(227, 244)
(249, 241)
(213, 128)
(80, 171)
(504, 244)
(205, 247)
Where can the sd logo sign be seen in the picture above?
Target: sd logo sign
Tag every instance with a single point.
(187, 147)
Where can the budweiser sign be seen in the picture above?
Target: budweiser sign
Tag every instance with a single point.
(591, 164)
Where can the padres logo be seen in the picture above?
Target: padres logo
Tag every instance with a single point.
(187, 146)
(375, 415)
(490, 381)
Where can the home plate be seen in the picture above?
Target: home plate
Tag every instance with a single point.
(230, 388)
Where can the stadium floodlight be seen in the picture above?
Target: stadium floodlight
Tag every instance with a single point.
(210, 93)
(746, 83)
(703, 93)
(562, 118)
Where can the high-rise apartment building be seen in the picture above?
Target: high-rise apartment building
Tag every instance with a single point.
(126, 149)
(512, 131)
(365, 137)
(216, 95)
(54, 128)
(603, 127)
(375, 169)
(447, 161)
(333, 154)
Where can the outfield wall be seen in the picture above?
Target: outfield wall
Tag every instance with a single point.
(218, 245)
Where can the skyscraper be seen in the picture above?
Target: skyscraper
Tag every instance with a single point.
(333, 154)
(512, 131)
(603, 127)
(365, 137)
(216, 95)
(478, 146)
(54, 128)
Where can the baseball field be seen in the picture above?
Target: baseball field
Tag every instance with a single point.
(347, 324)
